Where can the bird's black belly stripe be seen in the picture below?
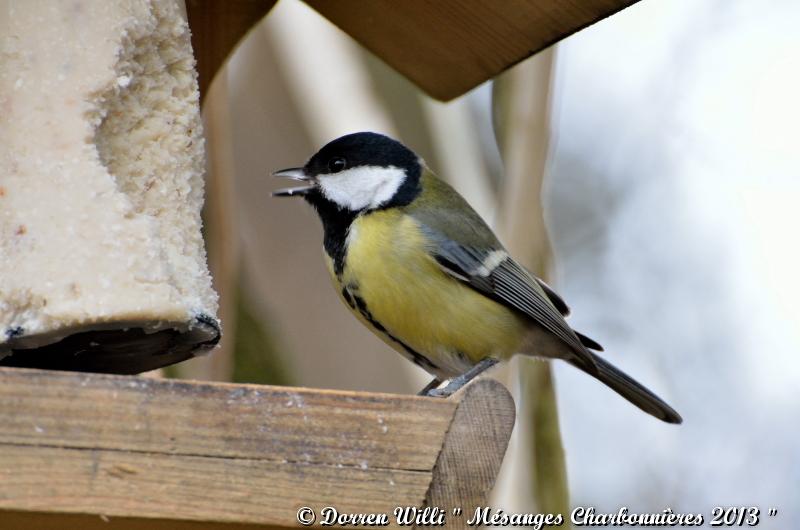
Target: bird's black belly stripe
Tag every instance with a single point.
(348, 298)
(416, 357)
(336, 224)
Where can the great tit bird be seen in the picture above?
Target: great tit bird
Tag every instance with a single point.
(415, 263)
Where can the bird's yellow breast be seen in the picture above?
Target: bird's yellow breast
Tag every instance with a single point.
(395, 284)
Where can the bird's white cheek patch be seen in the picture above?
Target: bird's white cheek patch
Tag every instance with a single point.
(362, 187)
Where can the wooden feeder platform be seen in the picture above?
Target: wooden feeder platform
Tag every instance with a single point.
(125, 452)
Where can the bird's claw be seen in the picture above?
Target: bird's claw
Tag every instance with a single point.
(439, 393)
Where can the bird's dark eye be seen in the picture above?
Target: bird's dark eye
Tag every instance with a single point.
(336, 164)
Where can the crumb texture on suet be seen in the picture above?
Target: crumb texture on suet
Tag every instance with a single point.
(101, 170)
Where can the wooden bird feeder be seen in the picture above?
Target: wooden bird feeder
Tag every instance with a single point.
(79, 450)
(82, 450)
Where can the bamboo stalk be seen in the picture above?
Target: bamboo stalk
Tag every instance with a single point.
(458, 148)
(521, 102)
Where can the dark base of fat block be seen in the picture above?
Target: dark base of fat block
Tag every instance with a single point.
(120, 351)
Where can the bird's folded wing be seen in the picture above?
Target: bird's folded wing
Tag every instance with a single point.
(554, 298)
(495, 274)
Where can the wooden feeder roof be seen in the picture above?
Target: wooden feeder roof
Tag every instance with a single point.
(446, 47)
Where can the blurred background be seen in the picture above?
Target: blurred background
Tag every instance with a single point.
(659, 148)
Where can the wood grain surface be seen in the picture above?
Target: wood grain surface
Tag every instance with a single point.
(217, 27)
(448, 47)
(138, 449)
(463, 477)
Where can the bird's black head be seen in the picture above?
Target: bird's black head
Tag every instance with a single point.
(357, 173)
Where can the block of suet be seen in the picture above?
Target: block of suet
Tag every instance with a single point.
(102, 262)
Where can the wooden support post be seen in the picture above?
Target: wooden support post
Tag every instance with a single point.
(79, 450)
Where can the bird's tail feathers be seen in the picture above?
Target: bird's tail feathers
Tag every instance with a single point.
(630, 389)
(589, 343)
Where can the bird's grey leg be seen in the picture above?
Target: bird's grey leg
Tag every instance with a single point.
(430, 386)
(457, 382)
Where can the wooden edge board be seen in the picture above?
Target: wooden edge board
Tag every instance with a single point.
(164, 416)
(124, 484)
(22, 520)
(136, 449)
(473, 452)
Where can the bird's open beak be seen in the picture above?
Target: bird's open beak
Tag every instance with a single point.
(294, 173)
